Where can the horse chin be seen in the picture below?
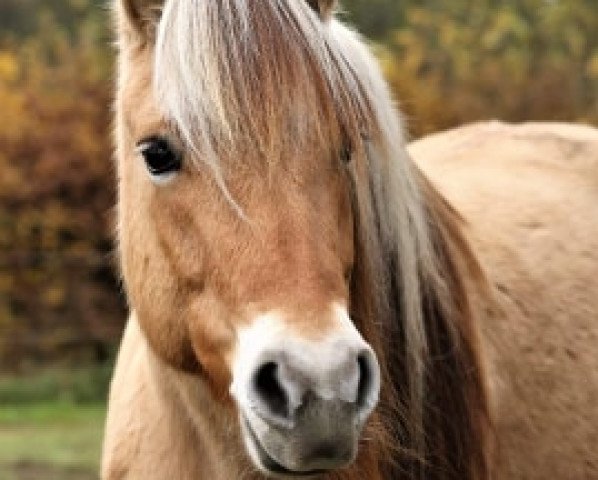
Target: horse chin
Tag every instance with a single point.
(262, 447)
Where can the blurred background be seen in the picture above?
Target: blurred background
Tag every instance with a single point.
(61, 308)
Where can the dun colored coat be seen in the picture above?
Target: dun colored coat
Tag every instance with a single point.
(308, 301)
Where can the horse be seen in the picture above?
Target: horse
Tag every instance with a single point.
(307, 300)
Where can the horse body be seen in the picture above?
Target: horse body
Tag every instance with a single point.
(304, 302)
(529, 195)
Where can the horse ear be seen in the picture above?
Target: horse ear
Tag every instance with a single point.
(140, 16)
(324, 8)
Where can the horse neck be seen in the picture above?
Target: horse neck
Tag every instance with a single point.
(185, 430)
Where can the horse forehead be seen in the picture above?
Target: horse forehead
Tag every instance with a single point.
(302, 140)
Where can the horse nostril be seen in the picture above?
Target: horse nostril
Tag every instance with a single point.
(270, 392)
(365, 381)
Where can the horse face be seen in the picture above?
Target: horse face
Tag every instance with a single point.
(255, 303)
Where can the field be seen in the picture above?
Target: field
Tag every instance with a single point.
(50, 441)
(49, 433)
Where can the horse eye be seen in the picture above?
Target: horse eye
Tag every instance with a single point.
(160, 158)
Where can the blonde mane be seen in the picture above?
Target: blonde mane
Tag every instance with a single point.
(238, 76)
(235, 79)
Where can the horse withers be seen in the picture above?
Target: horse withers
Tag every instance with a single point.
(303, 300)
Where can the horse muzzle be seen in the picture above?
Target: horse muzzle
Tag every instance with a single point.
(303, 404)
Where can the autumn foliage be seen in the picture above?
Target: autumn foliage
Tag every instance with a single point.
(448, 62)
(455, 62)
(58, 295)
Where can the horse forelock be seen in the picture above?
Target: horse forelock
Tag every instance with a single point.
(235, 76)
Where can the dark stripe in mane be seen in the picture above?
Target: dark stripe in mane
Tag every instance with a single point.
(453, 444)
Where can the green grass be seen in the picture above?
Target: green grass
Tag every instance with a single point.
(50, 437)
(51, 425)
(80, 386)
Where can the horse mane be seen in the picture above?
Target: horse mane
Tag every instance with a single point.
(437, 425)
(237, 76)
(269, 77)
